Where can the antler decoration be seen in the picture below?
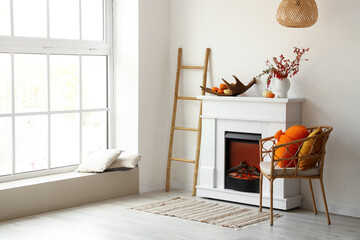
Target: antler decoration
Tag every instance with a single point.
(236, 88)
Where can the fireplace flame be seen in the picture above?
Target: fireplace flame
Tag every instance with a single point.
(244, 171)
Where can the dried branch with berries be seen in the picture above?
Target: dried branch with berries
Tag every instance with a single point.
(283, 68)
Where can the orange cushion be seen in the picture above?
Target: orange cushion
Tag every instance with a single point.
(312, 146)
(293, 133)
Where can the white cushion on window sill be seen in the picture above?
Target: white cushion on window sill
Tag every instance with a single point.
(128, 161)
(99, 161)
(278, 171)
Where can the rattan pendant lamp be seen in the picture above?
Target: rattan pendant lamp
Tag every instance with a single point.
(297, 13)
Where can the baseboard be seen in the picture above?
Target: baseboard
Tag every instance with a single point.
(333, 208)
(181, 185)
(152, 187)
(161, 186)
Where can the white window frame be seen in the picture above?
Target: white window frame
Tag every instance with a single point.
(47, 46)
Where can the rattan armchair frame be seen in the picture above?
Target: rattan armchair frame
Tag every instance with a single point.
(268, 149)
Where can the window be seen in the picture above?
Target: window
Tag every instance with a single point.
(55, 76)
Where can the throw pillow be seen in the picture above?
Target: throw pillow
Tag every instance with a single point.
(293, 133)
(311, 146)
(99, 160)
(128, 161)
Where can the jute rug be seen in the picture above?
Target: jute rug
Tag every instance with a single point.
(207, 212)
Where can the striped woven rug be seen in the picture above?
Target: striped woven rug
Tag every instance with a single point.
(207, 212)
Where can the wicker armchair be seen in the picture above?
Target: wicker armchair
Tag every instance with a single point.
(271, 169)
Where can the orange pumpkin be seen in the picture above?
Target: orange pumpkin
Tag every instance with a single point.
(270, 95)
(214, 89)
(293, 133)
(221, 90)
(223, 86)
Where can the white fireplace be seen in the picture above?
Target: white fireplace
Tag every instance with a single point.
(254, 115)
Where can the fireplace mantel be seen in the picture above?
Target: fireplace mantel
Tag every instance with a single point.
(264, 116)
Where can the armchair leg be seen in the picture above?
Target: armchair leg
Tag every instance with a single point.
(271, 202)
(312, 196)
(260, 191)
(325, 204)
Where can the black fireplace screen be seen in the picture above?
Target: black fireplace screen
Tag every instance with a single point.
(242, 161)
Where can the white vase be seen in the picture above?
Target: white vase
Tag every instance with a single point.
(282, 87)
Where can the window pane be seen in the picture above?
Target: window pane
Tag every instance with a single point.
(5, 146)
(31, 143)
(65, 131)
(5, 27)
(30, 82)
(30, 18)
(5, 83)
(94, 78)
(64, 82)
(64, 19)
(94, 136)
(92, 19)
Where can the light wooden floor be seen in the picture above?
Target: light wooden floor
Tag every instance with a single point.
(113, 220)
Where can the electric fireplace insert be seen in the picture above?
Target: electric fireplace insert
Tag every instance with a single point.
(242, 170)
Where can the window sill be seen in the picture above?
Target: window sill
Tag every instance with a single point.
(42, 179)
(36, 195)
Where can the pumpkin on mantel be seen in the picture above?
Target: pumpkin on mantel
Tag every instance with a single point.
(236, 88)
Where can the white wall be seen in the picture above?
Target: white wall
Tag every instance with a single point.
(126, 74)
(154, 96)
(142, 86)
(242, 35)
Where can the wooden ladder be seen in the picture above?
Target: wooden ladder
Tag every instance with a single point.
(173, 127)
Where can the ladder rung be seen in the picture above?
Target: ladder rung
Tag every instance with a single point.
(186, 129)
(188, 98)
(191, 67)
(183, 160)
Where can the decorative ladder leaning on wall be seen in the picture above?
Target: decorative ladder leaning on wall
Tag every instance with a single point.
(173, 127)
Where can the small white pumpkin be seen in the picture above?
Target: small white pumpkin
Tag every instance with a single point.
(227, 91)
(266, 92)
